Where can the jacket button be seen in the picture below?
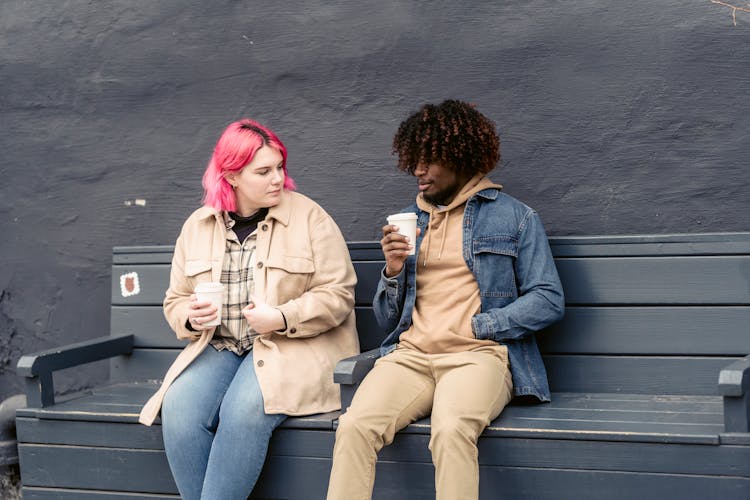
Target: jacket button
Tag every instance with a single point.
(260, 265)
(260, 363)
(293, 330)
(264, 227)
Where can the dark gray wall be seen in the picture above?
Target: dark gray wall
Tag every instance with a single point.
(615, 117)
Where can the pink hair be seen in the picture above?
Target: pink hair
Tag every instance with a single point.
(234, 150)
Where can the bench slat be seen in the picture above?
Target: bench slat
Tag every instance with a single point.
(609, 431)
(565, 453)
(684, 280)
(100, 468)
(642, 267)
(698, 331)
(414, 481)
(147, 324)
(634, 402)
(151, 330)
(620, 416)
(122, 403)
(88, 433)
(708, 330)
(524, 416)
(147, 364)
(567, 373)
(35, 493)
(153, 282)
(635, 374)
(655, 280)
(655, 244)
(587, 281)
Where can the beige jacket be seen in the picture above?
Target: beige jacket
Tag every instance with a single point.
(303, 268)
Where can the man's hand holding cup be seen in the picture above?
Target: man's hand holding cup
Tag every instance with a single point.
(399, 237)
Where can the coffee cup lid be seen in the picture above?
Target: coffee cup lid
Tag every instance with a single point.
(404, 216)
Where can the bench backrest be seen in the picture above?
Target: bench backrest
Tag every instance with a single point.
(645, 314)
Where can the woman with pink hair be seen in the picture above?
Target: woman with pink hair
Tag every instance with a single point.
(287, 317)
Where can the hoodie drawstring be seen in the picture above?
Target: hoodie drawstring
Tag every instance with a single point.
(427, 241)
(442, 237)
(428, 236)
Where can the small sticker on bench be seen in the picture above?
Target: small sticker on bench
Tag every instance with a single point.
(129, 284)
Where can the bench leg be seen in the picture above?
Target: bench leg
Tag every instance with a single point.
(40, 391)
(737, 413)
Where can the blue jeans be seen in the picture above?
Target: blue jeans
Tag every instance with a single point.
(215, 431)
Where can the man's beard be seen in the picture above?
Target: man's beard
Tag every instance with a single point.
(443, 197)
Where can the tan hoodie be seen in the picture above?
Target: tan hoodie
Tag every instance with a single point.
(447, 292)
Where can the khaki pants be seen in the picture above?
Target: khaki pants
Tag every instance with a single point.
(463, 391)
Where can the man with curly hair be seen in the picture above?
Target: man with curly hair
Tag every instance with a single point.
(460, 314)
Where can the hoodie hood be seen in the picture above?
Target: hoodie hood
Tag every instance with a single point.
(440, 215)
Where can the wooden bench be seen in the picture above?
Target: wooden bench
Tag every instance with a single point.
(649, 370)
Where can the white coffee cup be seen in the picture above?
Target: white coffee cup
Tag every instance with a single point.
(213, 292)
(407, 225)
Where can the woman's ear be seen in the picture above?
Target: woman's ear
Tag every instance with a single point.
(231, 178)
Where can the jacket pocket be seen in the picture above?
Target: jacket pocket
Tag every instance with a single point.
(494, 263)
(292, 264)
(289, 276)
(501, 245)
(196, 267)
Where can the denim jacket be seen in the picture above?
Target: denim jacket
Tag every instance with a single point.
(506, 248)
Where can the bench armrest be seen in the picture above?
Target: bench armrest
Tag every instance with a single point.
(734, 386)
(350, 372)
(38, 367)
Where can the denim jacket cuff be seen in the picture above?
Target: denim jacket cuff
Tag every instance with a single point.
(394, 284)
(482, 326)
(485, 327)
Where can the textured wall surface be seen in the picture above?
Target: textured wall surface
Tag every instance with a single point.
(615, 117)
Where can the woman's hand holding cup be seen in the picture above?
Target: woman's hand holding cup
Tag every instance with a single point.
(200, 313)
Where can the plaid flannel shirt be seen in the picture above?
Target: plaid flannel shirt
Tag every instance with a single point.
(237, 276)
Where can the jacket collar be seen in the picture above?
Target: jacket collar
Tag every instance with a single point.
(281, 212)
(491, 193)
(205, 212)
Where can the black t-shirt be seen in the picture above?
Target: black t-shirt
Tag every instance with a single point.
(244, 226)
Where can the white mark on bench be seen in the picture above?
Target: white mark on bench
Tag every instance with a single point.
(129, 284)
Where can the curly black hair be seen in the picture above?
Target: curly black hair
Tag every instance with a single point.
(453, 134)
